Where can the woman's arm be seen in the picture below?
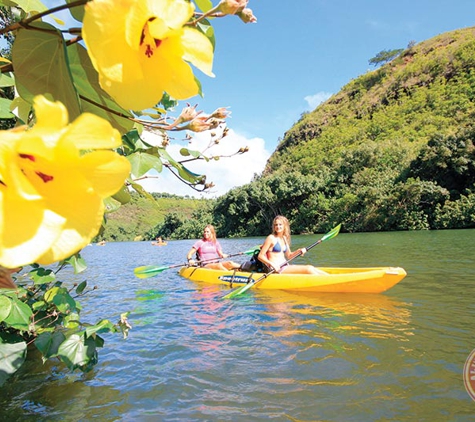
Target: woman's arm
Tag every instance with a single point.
(219, 251)
(290, 255)
(189, 256)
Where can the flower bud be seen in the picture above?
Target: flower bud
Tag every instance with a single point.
(188, 113)
(221, 113)
(231, 7)
(247, 16)
(199, 124)
(213, 123)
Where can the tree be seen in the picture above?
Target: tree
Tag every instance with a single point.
(385, 56)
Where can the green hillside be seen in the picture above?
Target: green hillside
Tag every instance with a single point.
(428, 90)
(140, 218)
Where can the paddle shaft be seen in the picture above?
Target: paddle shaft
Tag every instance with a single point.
(150, 271)
(249, 285)
(246, 287)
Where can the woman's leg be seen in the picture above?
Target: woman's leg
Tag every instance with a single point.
(230, 265)
(302, 269)
(216, 266)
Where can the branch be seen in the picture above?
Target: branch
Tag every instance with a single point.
(25, 23)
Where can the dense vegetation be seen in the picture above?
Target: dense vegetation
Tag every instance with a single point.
(141, 218)
(393, 150)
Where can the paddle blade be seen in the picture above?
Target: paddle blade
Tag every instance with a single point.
(148, 271)
(238, 291)
(332, 233)
(251, 251)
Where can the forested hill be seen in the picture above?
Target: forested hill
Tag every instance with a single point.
(428, 90)
(393, 150)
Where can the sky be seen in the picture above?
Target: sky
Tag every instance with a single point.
(297, 55)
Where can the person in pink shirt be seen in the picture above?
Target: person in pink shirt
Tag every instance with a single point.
(208, 249)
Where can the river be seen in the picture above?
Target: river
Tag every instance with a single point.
(279, 356)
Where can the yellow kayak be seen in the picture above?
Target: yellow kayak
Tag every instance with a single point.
(337, 280)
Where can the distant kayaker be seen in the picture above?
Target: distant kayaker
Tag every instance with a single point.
(208, 249)
(276, 250)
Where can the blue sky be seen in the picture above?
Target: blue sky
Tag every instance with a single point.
(304, 49)
(270, 72)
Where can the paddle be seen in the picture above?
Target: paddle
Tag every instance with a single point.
(151, 270)
(240, 290)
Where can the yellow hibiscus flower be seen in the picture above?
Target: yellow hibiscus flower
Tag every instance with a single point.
(141, 48)
(53, 179)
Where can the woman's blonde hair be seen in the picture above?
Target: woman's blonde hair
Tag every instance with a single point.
(212, 230)
(286, 233)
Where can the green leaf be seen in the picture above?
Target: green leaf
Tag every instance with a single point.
(196, 154)
(41, 67)
(123, 196)
(20, 316)
(64, 302)
(5, 307)
(184, 173)
(143, 162)
(78, 263)
(142, 191)
(167, 102)
(72, 321)
(37, 306)
(204, 5)
(205, 27)
(48, 343)
(93, 98)
(77, 12)
(42, 276)
(133, 141)
(6, 80)
(5, 112)
(21, 109)
(28, 5)
(12, 356)
(81, 287)
(77, 351)
(103, 326)
(111, 205)
(98, 341)
(60, 297)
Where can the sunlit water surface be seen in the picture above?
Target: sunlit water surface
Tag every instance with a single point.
(269, 355)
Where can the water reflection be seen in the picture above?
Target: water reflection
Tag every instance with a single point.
(369, 315)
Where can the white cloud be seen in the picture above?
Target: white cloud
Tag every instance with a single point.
(315, 100)
(226, 173)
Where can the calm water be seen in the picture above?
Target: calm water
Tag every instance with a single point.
(270, 355)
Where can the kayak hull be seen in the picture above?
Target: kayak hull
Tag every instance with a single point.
(337, 280)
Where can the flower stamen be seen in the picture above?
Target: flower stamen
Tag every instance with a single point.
(150, 43)
(28, 157)
(45, 177)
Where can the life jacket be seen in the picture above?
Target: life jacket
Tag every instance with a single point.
(253, 265)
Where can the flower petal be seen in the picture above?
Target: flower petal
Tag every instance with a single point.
(106, 171)
(198, 50)
(29, 230)
(49, 115)
(89, 131)
(77, 231)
